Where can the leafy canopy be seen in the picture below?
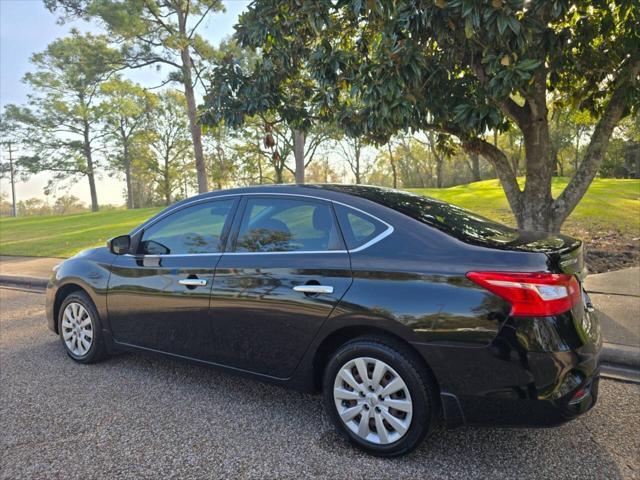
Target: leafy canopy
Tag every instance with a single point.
(461, 66)
(64, 108)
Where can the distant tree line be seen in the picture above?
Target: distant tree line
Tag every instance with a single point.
(287, 99)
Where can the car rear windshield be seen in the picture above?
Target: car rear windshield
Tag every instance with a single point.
(456, 221)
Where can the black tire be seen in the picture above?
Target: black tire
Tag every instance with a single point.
(97, 351)
(421, 386)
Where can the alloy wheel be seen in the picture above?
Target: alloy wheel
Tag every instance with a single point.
(77, 329)
(373, 400)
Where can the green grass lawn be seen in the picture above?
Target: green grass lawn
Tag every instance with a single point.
(609, 205)
(65, 235)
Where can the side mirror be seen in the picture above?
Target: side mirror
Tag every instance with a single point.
(119, 245)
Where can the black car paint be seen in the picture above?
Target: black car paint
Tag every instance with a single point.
(490, 367)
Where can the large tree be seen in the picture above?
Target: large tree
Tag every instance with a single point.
(460, 68)
(158, 32)
(170, 144)
(127, 109)
(12, 152)
(247, 83)
(63, 115)
(351, 151)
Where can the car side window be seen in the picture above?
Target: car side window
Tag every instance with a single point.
(287, 225)
(195, 229)
(358, 228)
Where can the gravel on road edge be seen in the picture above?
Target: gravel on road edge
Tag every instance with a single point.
(137, 416)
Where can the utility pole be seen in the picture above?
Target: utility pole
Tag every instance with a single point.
(12, 178)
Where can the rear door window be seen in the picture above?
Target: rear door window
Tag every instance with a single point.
(278, 224)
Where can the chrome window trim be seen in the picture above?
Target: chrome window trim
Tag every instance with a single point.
(160, 255)
(389, 230)
(292, 252)
(193, 202)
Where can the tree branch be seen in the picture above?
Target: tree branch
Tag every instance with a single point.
(613, 113)
(520, 115)
(202, 17)
(164, 25)
(507, 177)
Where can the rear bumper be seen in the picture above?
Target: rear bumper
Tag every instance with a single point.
(574, 392)
(505, 383)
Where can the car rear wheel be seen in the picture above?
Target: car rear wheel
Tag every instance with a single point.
(379, 396)
(80, 330)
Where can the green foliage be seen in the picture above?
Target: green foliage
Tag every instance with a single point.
(63, 113)
(157, 32)
(151, 31)
(609, 205)
(126, 111)
(445, 63)
(458, 67)
(171, 167)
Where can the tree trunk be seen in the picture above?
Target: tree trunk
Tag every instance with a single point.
(576, 158)
(299, 139)
(127, 174)
(587, 170)
(356, 155)
(260, 178)
(394, 171)
(167, 183)
(14, 209)
(439, 165)
(90, 170)
(536, 208)
(196, 133)
(278, 170)
(475, 167)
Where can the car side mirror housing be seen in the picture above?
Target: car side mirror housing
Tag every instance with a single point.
(119, 245)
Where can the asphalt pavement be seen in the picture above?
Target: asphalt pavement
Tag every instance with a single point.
(136, 416)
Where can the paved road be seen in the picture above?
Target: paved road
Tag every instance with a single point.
(135, 416)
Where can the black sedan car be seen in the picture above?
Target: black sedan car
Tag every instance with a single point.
(404, 311)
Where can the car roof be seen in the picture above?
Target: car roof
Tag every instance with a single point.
(331, 191)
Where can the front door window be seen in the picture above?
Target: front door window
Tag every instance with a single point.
(192, 230)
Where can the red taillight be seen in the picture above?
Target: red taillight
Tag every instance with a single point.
(531, 294)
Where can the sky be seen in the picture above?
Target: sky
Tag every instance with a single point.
(27, 27)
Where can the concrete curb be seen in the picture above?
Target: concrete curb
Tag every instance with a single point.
(622, 355)
(24, 282)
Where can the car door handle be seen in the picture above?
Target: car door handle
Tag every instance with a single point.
(313, 289)
(193, 282)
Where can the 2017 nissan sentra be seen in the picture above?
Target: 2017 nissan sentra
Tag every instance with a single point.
(403, 310)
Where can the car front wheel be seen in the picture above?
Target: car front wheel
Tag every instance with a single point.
(379, 396)
(79, 327)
